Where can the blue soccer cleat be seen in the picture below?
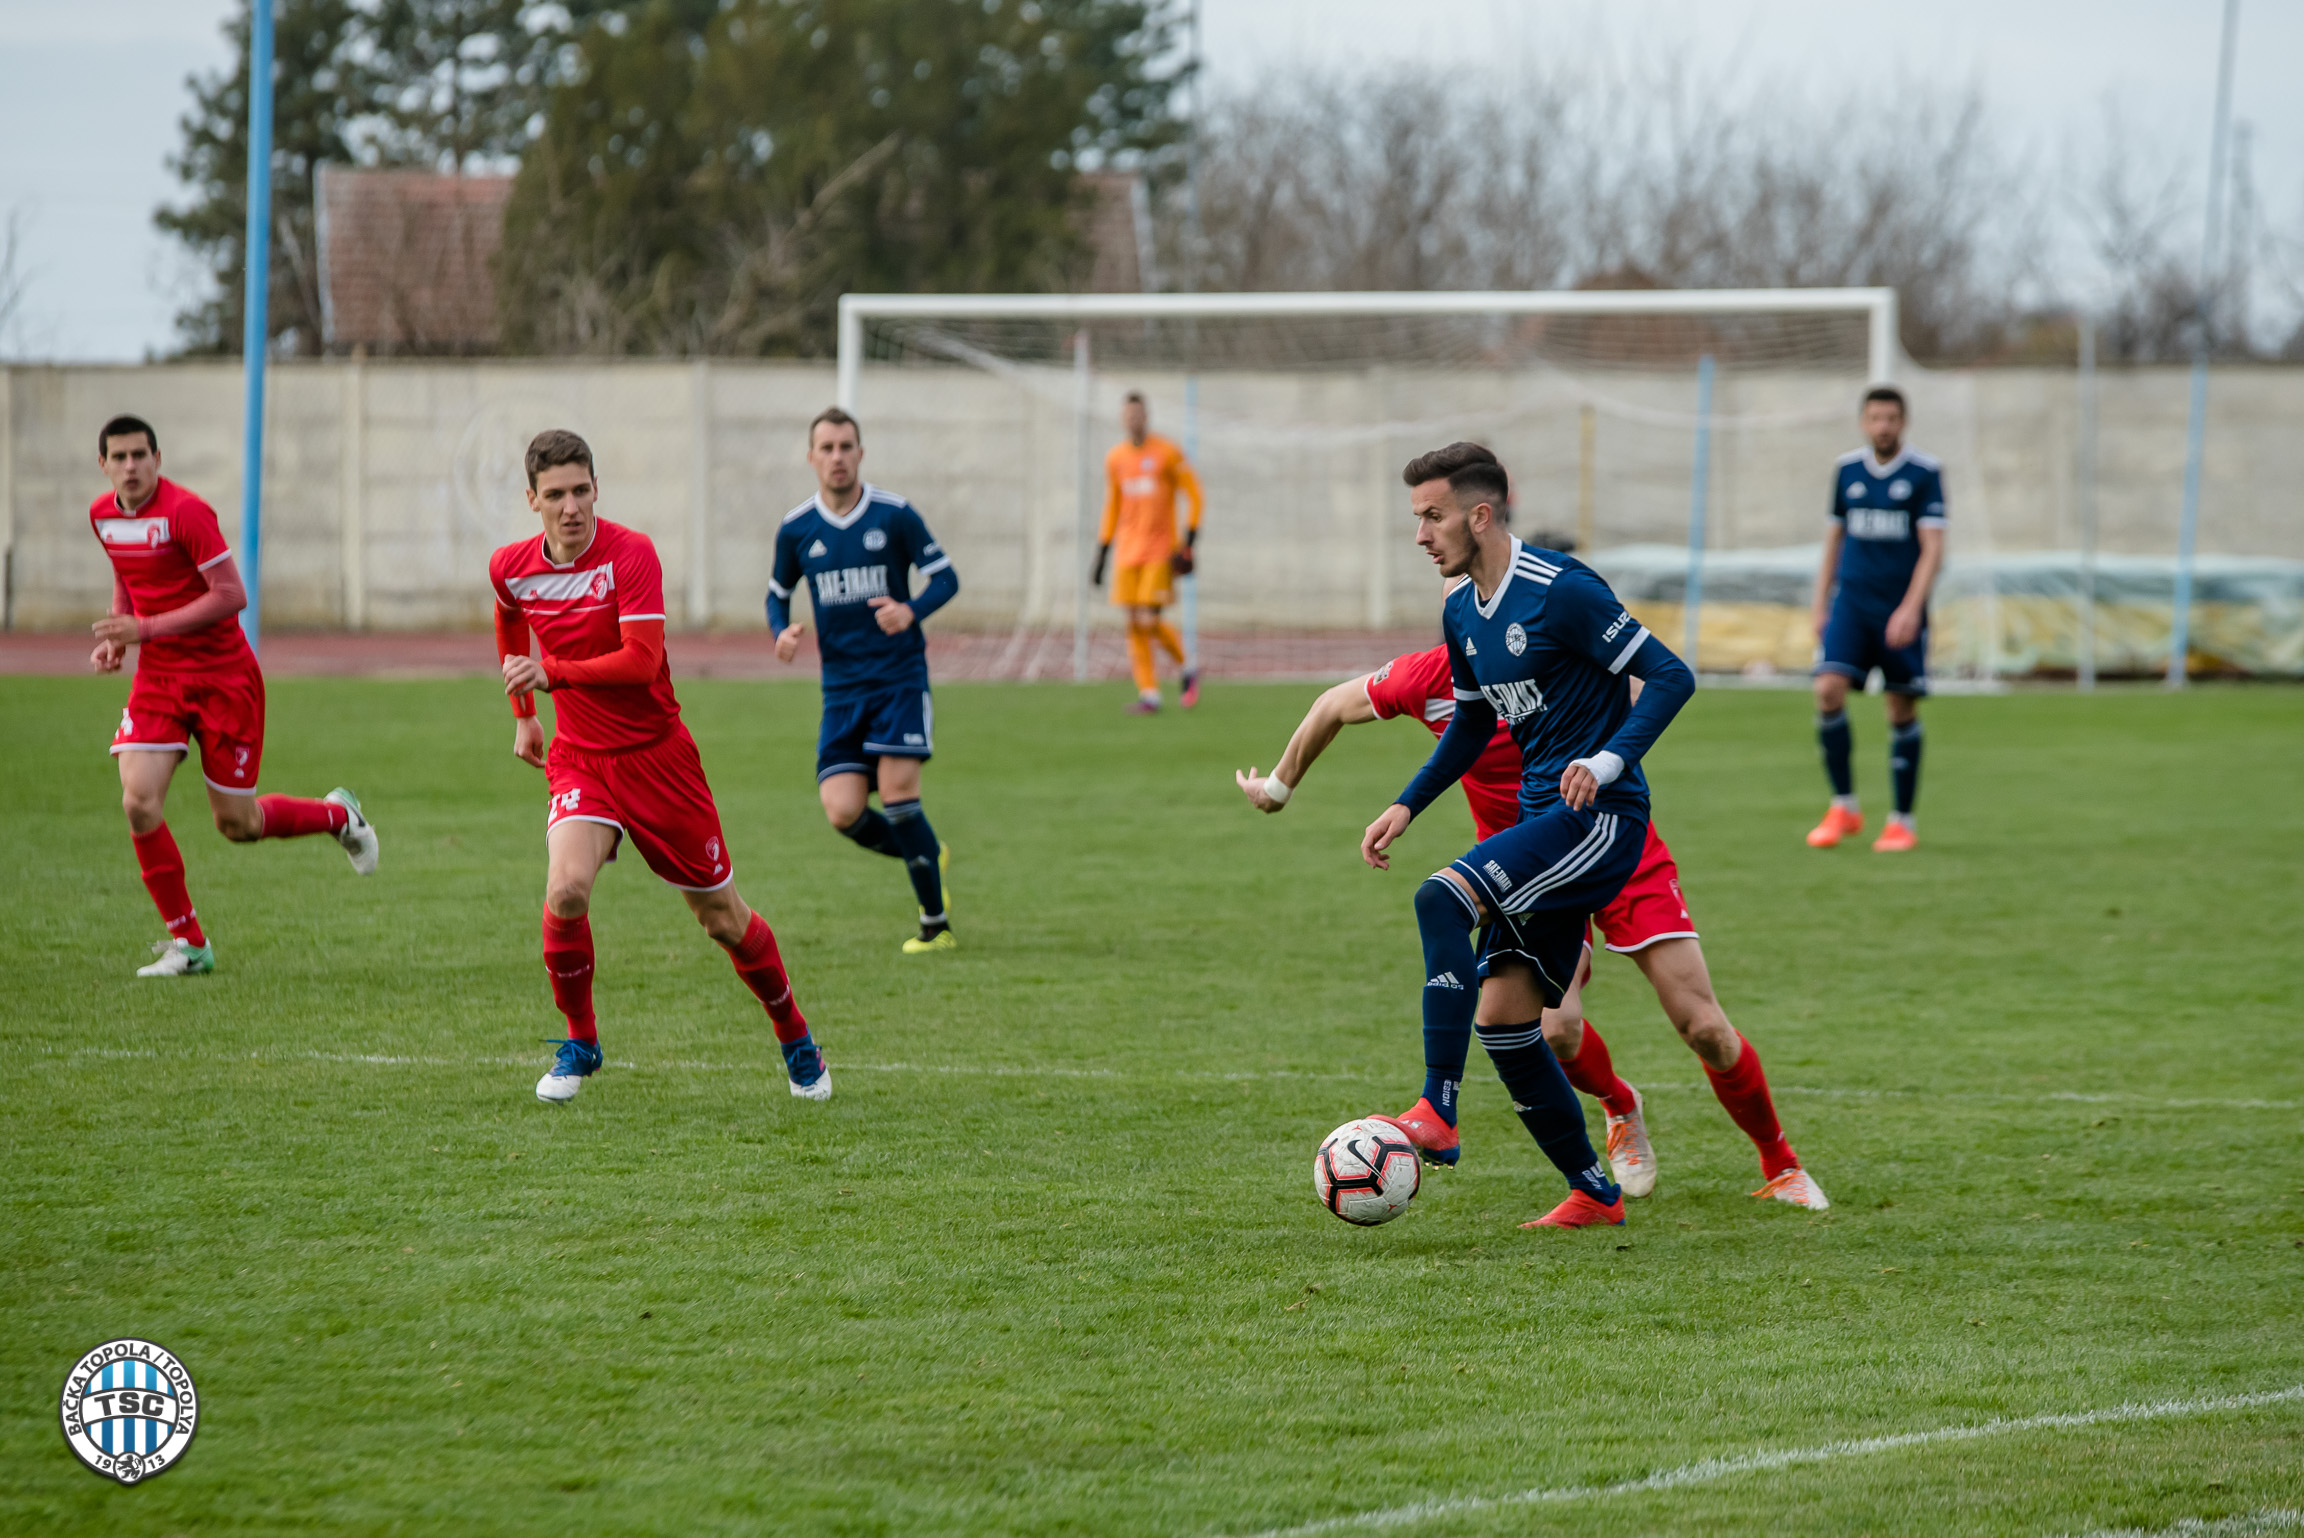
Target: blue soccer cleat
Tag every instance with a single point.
(575, 1062)
(810, 1079)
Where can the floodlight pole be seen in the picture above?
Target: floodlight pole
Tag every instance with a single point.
(2196, 429)
(256, 312)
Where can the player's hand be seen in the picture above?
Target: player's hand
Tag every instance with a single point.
(895, 618)
(119, 629)
(1578, 785)
(1818, 617)
(1904, 625)
(1181, 562)
(107, 656)
(1252, 786)
(1382, 832)
(788, 643)
(528, 741)
(525, 675)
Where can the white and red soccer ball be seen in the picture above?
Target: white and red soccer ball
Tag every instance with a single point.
(1367, 1172)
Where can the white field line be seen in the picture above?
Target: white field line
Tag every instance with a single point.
(1711, 1469)
(1188, 1076)
(2252, 1524)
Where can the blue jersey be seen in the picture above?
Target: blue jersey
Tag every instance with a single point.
(1550, 654)
(868, 552)
(1883, 508)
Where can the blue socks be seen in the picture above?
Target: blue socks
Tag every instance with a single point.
(915, 840)
(1838, 743)
(1547, 1105)
(870, 831)
(1904, 765)
(1444, 917)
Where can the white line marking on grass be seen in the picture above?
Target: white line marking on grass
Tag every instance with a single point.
(1711, 1469)
(2251, 1525)
(1188, 1076)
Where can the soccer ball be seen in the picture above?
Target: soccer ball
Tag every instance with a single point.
(1367, 1172)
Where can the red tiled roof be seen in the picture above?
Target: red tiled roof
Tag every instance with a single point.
(404, 259)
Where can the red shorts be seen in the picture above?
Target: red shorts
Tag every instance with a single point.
(222, 711)
(1650, 908)
(655, 794)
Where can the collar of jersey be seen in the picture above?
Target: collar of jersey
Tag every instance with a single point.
(865, 491)
(139, 512)
(1875, 469)
(544, 549)
(1488, 610)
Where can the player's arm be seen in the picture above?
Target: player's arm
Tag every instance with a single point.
(928, 557)
(1188, 482)
(1904, 624)
(782, 579)
(1111, 523)
(1345, 705)
(1584, 613)
(226, 596)
(512, 641)
(639, 656)
(1835, 533)
(109, 654)
(1459, 748)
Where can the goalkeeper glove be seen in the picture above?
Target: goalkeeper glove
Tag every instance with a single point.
(1103, 551)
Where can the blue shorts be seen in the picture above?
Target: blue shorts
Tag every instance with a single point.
(857, 733)
(1543, 877)
(1856, 642)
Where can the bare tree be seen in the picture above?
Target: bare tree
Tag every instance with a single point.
(15, 282)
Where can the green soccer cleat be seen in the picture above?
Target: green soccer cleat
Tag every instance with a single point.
(180, 958)
(942, 940)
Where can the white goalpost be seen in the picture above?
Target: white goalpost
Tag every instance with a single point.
(1300, 406)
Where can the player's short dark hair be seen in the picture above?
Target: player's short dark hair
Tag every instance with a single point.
(1891, 395)
(838, 418)
(1134, 398)
(123, 427)
(1469, 469)
(554, 447)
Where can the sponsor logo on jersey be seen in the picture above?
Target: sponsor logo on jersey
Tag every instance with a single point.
(1496, 874)
(1515, 639)
(562, 586)
(133, 533)
(875, 539)
(1382, 673)
(851, 584)
(1515, 701)
(816, 550)
(129, 1410)
(1623, 618)
(1444, 980)
(1879, 523)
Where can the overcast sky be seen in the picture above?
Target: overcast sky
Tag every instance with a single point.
(90, 92)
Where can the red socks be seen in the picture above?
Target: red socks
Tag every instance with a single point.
(297, 816)
(568, 957)
(761, 966)
(1594, 1072)
(163, 866)
(1743, 1091)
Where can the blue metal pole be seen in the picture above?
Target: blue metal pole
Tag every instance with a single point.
(2196, 430)
(1694, 602)
(256, 307)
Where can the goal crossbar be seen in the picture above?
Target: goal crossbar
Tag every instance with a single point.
(1877, 305)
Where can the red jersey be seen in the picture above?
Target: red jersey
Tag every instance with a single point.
(159, 552)
(1418, 685)
(576, 611)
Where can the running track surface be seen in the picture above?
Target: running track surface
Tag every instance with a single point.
(1022, 656)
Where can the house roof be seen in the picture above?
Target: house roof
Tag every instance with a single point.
(405, 259)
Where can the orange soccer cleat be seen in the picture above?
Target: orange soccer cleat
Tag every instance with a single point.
(1896, 838)
(1580, 1211)
(1433, 1137)
(1837, 825)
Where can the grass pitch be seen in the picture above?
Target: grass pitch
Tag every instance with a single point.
(1049, 1263)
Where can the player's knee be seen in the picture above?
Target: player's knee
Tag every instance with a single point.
(1441, 903)
(1564, 1029)
(240, 824)
(567, 899)
(143, 809)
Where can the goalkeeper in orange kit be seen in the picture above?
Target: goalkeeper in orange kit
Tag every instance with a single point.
(1142, 478)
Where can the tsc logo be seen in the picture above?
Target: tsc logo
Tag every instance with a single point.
(1899, 490)
(602, 580)
(239, 763)
(1515, 639)
(875, 539)
(129, 1410)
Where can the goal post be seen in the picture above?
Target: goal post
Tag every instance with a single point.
(1305, 403)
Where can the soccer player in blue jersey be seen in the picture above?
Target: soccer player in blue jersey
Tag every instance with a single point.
(1537, 641)
(856, 547)
(1881, 555)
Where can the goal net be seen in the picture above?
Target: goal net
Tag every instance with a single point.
(1682, 442)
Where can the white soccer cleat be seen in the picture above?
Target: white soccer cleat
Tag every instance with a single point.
(180, 958)
(358, 835)
(575, 1062)
(1630, 1158)
(819, 1088)
(1799, 1188)
(558, 1088)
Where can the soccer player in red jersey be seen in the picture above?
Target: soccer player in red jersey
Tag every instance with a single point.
(592, 593)
(177, 595)
(1648, 920)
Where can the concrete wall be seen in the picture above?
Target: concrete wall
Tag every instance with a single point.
(389, 482)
